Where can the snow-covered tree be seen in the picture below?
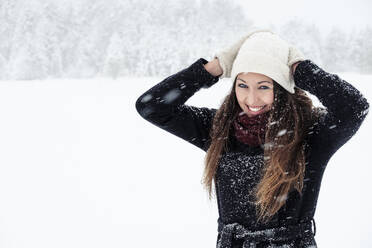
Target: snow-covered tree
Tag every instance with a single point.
(305, 36)
(24, 60)
(114, 63)
(335, 50)
(78, 39)
(365, 50)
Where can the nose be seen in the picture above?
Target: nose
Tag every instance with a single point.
(252, 99)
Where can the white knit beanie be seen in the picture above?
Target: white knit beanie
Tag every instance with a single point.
(265, 53)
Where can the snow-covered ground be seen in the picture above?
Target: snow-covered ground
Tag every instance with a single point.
(79, 167)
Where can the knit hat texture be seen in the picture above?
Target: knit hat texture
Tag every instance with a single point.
(265, 53)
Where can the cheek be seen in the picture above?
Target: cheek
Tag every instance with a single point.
(268, 96)
(238, 95)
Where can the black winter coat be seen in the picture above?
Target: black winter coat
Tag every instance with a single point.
(238, 169)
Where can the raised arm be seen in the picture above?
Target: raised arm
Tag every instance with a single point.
(346, 107)
(164, 104)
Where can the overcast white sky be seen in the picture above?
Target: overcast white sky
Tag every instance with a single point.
(344, 14)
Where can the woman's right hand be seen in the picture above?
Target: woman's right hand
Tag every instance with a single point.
(213, 67)
(227, 56)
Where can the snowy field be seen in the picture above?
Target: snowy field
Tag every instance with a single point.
(79, 167)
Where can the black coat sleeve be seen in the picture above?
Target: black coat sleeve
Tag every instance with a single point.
(346, 108)
(164, 104)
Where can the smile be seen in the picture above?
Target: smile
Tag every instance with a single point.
(255, 109)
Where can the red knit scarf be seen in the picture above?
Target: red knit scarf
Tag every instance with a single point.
(249, 130)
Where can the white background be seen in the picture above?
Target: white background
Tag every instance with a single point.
(81, 168)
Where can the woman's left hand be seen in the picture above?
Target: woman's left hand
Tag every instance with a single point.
(294, 67)
(295, 56)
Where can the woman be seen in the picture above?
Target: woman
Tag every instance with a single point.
(267, 146)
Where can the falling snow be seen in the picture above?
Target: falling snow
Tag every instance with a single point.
(240, 168)
(281, 132)
(171, 95)
(146, 98)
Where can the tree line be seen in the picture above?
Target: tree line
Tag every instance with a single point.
(115, 38)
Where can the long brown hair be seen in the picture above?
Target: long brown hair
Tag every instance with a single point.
(289, 120)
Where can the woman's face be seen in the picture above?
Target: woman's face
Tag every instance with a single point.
(254, 92)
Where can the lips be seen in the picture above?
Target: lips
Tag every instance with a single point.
(255, 108)
(256, 112)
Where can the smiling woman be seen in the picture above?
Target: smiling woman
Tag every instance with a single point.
(266, 146)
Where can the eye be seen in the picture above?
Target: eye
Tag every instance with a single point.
(266, 87)
(261, 87)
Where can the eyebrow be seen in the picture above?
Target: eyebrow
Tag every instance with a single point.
(258, 82)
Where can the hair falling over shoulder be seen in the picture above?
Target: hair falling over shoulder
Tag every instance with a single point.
(284, 155)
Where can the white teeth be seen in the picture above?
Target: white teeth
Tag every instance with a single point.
(255, 109)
